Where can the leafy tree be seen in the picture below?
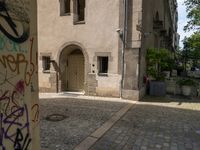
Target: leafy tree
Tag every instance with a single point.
(191, 50)
(193, 9)
(158, 60)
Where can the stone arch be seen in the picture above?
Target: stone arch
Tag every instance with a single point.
(76, 44)
(68, 48)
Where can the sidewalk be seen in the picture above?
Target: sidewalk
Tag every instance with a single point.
(80, 95)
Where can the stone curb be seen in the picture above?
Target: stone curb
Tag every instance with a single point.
(79, 96)
(98, 133)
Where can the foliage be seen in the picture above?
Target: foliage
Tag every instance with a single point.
(191, 50)
(158, 60)
(193, 42)
(193, 9)
(185, 81)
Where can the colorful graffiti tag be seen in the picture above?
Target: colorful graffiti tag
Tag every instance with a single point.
(9, 19)
(19, 112)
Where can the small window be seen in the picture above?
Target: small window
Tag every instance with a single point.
(46, 63)
(79, 12)
(65, 7)
(103, 65)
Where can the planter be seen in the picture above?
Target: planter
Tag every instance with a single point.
(187, 85)
(167, 74)
(186, 90)
(157, 88)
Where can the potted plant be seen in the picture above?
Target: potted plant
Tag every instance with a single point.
(186, 86)
(168, 65)
(158, 60)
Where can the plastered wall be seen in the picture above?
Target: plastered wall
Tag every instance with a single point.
(97, 37)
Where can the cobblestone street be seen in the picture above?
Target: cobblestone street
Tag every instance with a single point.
(83, 118)
(155, 126)
(148, 125)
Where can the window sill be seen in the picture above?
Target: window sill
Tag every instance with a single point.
(103, 74)
(46, 71)
(65, 14)
(79, 22)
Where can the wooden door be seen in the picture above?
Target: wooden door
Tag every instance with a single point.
(75, 73)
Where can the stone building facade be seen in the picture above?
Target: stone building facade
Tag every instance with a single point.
(99, 46)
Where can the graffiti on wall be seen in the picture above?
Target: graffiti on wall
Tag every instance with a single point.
(18, 62)
(9, 18)
(8, 45)
(14, 64)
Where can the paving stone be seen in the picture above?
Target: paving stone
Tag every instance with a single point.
(148, 125)
(84, 117)
(166, 144)
(143, 148)
(158, 146)
(165, 126)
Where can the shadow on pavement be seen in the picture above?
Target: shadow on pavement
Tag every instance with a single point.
(149, 126)
(171, 98)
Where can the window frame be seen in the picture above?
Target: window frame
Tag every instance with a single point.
(77, 12)
(63, 8)
(101, 66)
(46, 64)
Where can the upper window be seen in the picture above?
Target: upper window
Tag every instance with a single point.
(46, 61)
(103, 65)
(65, 7)
(79, 12)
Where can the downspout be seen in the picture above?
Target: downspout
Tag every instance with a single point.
(124, 37)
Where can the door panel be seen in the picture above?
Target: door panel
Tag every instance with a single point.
(76, 73)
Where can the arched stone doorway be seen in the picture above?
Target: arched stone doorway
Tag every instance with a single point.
(72, 69)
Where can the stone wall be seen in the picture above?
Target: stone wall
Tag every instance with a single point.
(96, 37)
(132, 51)
(173, 88)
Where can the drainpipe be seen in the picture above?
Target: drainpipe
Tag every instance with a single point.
(124, 36)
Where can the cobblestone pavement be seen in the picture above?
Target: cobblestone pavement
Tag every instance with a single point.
(164, 125)
(83, 118)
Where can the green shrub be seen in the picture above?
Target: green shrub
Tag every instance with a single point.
(158, 60)
(188, 82)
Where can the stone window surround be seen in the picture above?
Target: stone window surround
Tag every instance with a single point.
(102, 54)
(75, 11)
(46, 55)
(62, 8)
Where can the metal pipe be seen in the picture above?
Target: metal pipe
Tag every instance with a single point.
(125, 21)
